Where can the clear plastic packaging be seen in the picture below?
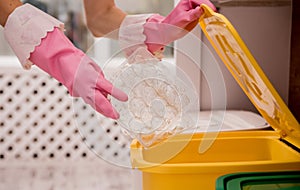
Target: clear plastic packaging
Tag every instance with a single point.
(161, 100)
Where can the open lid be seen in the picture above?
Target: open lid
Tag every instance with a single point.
(246, 71)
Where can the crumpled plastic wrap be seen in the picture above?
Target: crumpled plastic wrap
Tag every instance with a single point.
(160, 100)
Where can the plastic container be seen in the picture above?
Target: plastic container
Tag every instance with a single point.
(196, 161)
(260, 181)
(177, 164)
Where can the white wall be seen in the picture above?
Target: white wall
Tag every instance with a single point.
(266, 32)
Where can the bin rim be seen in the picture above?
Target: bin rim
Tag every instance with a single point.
(138, 160)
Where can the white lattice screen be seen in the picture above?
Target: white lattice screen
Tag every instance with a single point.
(46, 134)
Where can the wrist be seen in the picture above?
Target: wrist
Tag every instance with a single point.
(26, 26)
(6, 9)
(136, 33)
(154, 37)
(131, 33)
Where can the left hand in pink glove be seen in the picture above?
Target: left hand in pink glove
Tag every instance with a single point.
(161, 31)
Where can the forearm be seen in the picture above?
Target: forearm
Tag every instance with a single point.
(103, 16)
(7, 7)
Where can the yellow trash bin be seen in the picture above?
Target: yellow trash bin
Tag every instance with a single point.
(177, 164)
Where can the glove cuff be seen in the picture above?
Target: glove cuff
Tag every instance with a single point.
(131, 33)
(25, 28)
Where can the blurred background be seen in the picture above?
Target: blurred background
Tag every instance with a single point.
(38, 126)
(265, 26)
(71, 12)
(49, 140)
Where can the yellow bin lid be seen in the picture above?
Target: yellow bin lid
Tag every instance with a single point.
(246, 71)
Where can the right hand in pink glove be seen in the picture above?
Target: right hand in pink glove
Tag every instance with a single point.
(161, 31)
(37, 38)
(83, 78)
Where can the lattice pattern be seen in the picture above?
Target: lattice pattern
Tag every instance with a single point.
(41, 125)
(37, 122)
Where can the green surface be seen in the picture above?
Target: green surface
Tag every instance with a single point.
(288, 180)
(277, 186)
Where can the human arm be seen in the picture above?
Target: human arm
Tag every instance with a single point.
(6, 8)
(154, 31)
(103, 16)
(38, 39)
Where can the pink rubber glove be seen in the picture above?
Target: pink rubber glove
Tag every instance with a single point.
(160, 31)
(152, 32)
(83, 78)
(37, 38)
